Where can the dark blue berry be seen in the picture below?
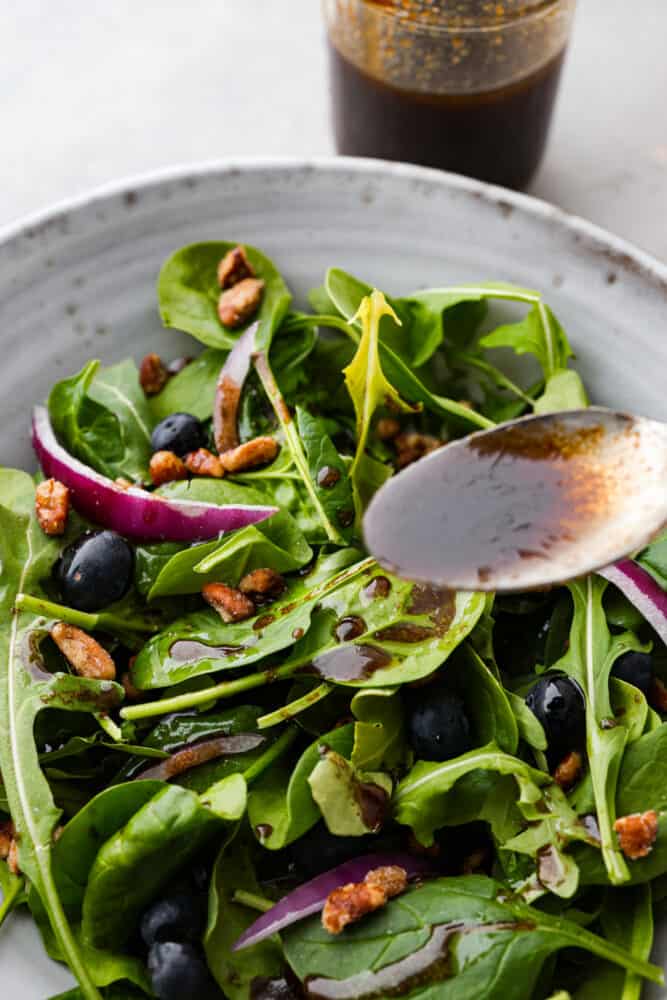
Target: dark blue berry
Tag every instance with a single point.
(634, 668)
(558, 703)
(178, 917)
(438, 727)
(180, 433)
(178, 971)
(94, 571)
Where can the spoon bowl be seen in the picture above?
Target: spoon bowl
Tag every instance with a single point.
(531, 503)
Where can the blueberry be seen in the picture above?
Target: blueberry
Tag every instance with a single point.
(558, 703)
(438, 727)
(94, 571)
(177, 971)
(178, 917)
(634, 668)
(180, 433)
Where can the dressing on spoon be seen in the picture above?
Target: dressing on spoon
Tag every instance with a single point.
(531, 503)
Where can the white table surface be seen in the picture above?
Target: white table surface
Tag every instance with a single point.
(93, 92)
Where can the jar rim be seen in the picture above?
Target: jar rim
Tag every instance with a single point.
(437, 20)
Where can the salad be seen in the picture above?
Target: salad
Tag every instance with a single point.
(239, 758)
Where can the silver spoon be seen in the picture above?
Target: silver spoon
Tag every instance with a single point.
(531, 503)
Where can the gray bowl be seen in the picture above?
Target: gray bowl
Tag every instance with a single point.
(79, 282)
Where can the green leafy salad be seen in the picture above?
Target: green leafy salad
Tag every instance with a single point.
(238, 757)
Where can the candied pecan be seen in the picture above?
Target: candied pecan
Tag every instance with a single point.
(7, 835)
(387, 428)
(240, 302)
(569, 770)
(351, 902)
(231, 604)
(259, 451)
(85, 654)
(657, 695)
(204, 463)
(125, 484)
(13, 858)
(412, 446)
(234, 267)
(262, 585)
(153, 375)
(637, 833)
(52, 506)
(165, 467)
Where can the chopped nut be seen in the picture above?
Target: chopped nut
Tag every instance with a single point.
(204, 463)
(52, 506)
(657, 695)
(412, 446)
(153, 375)
(234, 267)
(351, 902)
(125, 484)
(7, 835)
(231, 604)
(13, 858)
(165, 467)
(387, 428)
(259, 451)
(85, 654)
(637, 833)
(569, 770)
(240, 302)
(262, 585)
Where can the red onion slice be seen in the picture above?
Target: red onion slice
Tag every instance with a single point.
(133, 512)
(641, 590)
(310, 897)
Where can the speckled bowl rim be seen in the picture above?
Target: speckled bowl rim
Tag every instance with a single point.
(619, 252)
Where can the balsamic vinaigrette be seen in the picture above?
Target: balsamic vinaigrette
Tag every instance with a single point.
(496, 135)
(504, 505)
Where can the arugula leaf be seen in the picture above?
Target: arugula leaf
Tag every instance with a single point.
(12, 887)
(327, 472)
(563, 391)
(281, 807)
(379, 730)
(486, 701)
(188, 294)
(365, 380)
(102, 417)
(192, 390)
(235, 970)
(495, 948)
(540, 334)
(106, 967)
(590, 657)
(134, 863)
(352, 802)
(654, 560)
(641, 783)
(26, 557)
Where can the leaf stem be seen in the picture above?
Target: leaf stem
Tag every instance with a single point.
(9, 897)
(281, 409)
(252, 900)
(109, 727)
(82, 619)
(294, 707)
(275, 751)
(498, 377)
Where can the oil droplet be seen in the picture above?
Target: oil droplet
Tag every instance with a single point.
(263, 831)
(350, 627)
(190, 651)
(327, 477)
(350, 662)
(345, 518)
(405, 632)
(297, 633)
(263, 621)
(379, 586)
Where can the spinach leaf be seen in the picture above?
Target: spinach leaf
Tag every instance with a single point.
(379, 730)
(192, 390)
(642, 780)
(529, 726)
(235, 970)
(134, 863)
(201, 643)
(26, 557)
(106, 967)
(486, 701)
(449, 939)
(627, 921)
(654, 560)
(327, 472)
(281, 807)
(563, 391)
(352, 802)
(590, 657)
(188, 294)
(12, 887)
(102, 417)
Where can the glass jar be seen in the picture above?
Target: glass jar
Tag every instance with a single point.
(465, 85)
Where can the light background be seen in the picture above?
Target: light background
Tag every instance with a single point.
(90, 92)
